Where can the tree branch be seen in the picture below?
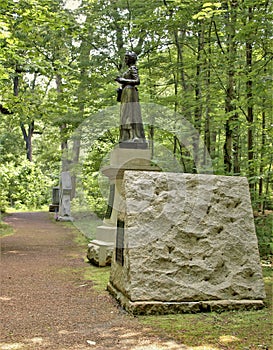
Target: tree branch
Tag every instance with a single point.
(218, 38)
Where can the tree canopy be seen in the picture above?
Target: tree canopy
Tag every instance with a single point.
(210, 62)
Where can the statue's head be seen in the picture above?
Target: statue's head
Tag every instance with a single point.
(132, 56)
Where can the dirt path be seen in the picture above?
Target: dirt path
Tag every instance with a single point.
(46, 303)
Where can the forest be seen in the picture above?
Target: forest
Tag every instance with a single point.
(205, 68)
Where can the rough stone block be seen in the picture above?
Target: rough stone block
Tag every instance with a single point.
(100, 253)
(187, 239)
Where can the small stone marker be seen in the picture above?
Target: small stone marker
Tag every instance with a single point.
(185, 243)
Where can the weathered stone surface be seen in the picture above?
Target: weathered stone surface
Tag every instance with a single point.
(187, 238)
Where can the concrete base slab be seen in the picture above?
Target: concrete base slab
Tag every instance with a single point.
(65, 218)
(168, 307)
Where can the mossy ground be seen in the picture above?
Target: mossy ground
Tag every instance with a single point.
(5, 229)
(244, 330)
(238, 330)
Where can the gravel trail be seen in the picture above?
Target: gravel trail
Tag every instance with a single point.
(47, 304)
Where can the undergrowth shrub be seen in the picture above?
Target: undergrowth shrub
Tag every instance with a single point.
(264, 229)
(24, 186)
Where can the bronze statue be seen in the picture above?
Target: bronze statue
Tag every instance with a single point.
(131, 126)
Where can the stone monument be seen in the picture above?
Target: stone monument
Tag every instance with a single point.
(132, 153)
(185, 243)
(65, 189)
(54, 206)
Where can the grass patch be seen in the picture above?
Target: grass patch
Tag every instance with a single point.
(99, 275)
(5, 229)
(238, 330)
(11, 210)
(88, 227)
(81, 240)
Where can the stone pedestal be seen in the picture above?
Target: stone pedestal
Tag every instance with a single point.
(185, 243)
(101, 248)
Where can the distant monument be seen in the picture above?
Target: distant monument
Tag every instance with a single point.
(54, 206)
(65, 190)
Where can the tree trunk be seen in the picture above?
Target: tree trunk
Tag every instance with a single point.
(230, 100)
(28, 139)
(207, 131)
(27, 133)
(250, 110)
(261, 181)
(179, 37)
(198, 101)
(63, 126)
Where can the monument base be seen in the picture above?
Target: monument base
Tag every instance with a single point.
(185, 243)
(65, 218)
(138, 308)
(124, 158)
(133, 145)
